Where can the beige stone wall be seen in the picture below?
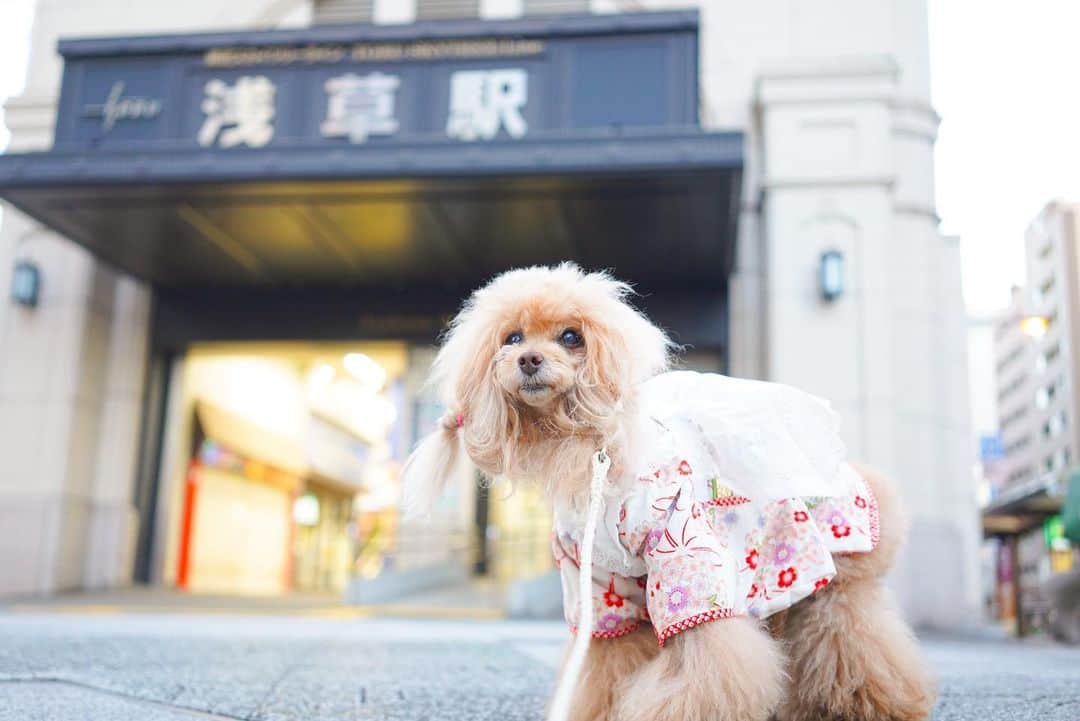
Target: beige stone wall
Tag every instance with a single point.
(71, 370)
(845, 146)
(71, 378)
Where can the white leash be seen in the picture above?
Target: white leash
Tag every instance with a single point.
(560, 705)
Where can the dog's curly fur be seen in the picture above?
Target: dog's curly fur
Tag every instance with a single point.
(844, 654)
(850, 654)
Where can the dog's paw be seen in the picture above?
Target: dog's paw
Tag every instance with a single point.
(872, 702)
(852, 658)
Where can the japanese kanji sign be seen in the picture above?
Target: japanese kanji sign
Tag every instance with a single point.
(360, 106)
(239, 114)
(484, 101)
(375, 86)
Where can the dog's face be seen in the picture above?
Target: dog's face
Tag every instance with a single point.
(542, 354)
(537, 355)
(551, 350)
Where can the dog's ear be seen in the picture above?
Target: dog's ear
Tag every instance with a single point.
(461, 375)
(623, 347)
(604, 377)
(429, 467)
(647, 348)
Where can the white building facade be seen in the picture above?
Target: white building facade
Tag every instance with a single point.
(833, 101)
(1035, 344)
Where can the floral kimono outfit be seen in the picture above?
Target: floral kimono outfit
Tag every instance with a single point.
(734, 506)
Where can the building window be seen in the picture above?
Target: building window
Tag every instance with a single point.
(555, 7)
(447, 9)
(1058, 459)
(1012, 323)
(1051, 318)
(1011, 387)
(1009, 358)
(1055, 425)
(1045, 395)
(328, 12)
(1018, 475)
(1010, 418)
(1017, 445)
(1051, 353)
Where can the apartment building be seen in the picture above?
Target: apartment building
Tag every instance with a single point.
(1036, 342)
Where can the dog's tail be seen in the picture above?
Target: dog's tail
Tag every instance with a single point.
(430, 465)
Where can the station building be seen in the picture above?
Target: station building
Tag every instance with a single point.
(233, 232)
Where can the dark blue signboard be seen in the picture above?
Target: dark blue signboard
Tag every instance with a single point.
(456, 82)
(430, 155)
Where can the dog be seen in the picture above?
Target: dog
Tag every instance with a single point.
(543, 367)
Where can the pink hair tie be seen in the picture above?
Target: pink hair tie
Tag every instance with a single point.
(459, 420)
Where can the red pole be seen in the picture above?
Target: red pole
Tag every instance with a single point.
(290, 542)
(191, 487)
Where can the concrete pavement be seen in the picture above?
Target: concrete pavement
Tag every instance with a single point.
(108, 666)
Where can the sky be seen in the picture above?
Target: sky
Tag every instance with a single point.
(15, 18)
(1004, 80)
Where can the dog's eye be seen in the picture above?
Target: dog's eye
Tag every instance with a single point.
(570, 338)
(514, 338)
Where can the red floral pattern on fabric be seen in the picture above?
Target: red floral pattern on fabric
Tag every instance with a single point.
(628, 628)
(728, 501)
(688, 623)
(610, 597)
(875, 521)
(704, 558)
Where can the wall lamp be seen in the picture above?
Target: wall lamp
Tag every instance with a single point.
(26, 283)
(831, 275)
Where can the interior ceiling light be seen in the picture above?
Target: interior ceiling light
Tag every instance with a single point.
(364, 369)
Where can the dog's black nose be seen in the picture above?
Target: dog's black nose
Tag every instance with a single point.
(530, 362)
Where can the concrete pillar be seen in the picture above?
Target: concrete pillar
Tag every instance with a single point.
(113, 523)
(932, 409)
(70, 396)
(826, 185)
(848, 166)
(747, 351)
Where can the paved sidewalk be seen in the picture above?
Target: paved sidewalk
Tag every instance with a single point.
(61, 667)
(154, 667)
(475, 599)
